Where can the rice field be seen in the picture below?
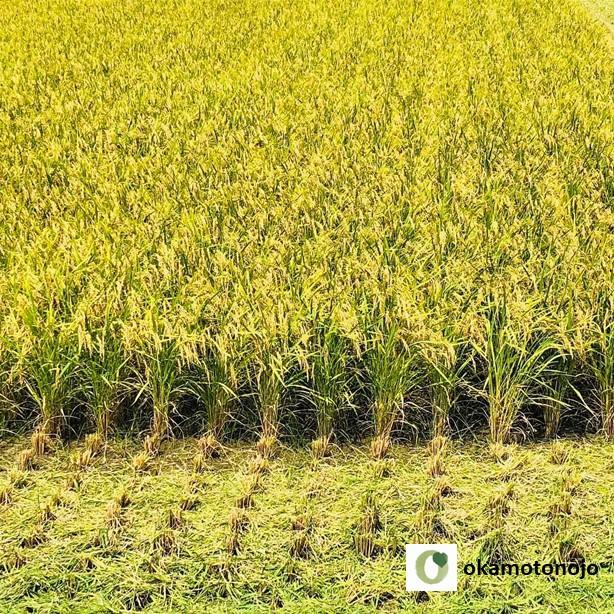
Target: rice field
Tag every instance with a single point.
(242, 237)
(364, 209)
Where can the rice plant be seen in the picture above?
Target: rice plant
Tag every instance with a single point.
(559, 378)
(436, 462)
(392, 371)
(49, 380)
(214, 384)
(162, 382)
(329, 380)
(367, 528)
(104, 376)
(516, 364)
(303, 527)
(269, 380)
(430, 524)
(554, 402)
(602, 363)
(444, 367)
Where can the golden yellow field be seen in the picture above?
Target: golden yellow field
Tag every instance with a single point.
(254, 206)
(289, 223)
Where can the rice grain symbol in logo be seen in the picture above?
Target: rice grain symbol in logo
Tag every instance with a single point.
(441, 565)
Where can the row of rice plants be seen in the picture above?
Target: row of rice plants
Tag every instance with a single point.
(403, 383)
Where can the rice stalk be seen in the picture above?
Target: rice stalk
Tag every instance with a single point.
(516, 367)
(392, 370)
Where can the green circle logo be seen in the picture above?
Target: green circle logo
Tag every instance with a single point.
(441, 564)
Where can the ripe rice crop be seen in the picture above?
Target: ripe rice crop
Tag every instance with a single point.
(349, 219)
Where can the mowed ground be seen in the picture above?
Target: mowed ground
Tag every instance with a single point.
(63, 550)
